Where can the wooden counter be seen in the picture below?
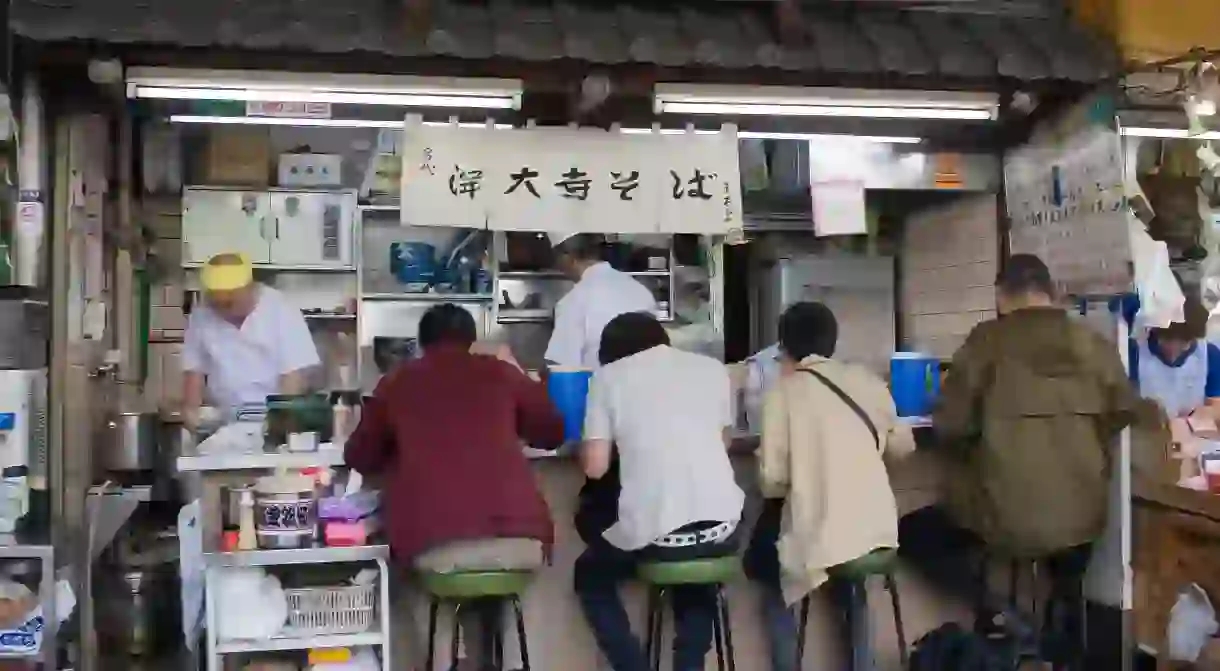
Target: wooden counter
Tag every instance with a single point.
(560, 639)
(1175, 541)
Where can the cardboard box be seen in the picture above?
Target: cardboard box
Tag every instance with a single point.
(311, 170)
(238, 156)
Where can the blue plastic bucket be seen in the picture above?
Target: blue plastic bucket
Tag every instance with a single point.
(569, 389)
(413, 264)
(914, 383)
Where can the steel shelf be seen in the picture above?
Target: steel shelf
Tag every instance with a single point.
(254, 461)
(322, 555)
(285, 643)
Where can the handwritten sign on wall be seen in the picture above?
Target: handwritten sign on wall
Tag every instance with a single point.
(564, 179)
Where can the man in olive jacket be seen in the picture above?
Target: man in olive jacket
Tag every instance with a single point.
(1026, 422)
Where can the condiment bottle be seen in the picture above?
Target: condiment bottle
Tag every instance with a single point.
(341, 421)
(246, 538)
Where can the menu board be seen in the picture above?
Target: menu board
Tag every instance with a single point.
(1066, 204)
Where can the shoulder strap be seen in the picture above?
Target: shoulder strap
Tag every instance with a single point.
(851, 403)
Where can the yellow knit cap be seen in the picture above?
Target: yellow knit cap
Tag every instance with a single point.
(227, 272)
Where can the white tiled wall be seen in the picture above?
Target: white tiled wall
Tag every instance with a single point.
(949, 263)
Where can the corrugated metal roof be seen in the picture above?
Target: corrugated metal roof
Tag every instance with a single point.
(717, 35)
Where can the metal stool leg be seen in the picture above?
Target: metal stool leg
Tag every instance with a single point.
(434, 607)
(518, 611)
(728, 627)
(800, 632)
(891, 585)
(495, 623)
(454, 642)
(718, 635)
(656, 626)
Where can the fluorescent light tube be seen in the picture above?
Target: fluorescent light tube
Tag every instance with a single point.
(332, 97)
(1167, 133)
(768, 135)
(827, 102)
(321, 123)
(869, 112)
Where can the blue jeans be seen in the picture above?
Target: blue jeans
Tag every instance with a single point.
(599, 573)
(849, 603)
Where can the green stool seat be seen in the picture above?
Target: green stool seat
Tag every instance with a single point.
(716, 570)
(878, 562)
(477, 584)
(662, 576)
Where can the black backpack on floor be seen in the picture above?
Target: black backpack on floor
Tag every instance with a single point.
(952, 648)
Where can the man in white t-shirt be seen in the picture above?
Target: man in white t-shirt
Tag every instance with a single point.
(668, 412)
(243, 343)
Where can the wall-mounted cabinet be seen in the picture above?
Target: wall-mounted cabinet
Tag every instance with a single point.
(282, 228)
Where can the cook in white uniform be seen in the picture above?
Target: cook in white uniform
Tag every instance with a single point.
(245, 342)
(601, 294)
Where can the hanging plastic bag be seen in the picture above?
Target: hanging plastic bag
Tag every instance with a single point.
(190, 570)
(1161, 298)
(1192, 621)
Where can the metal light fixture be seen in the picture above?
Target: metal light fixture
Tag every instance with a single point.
(824, 102)
(314, 123)
(1168, 133)
(255, 86)
(397, 125)
(768, 135)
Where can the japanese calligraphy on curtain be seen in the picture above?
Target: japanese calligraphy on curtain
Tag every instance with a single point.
(562, 179)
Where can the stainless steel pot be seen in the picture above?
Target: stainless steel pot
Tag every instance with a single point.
(286, 519)
(128, 441)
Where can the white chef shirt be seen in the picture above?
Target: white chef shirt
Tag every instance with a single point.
(763, 370)
(602, 294)
(243, 365)
(666, 410)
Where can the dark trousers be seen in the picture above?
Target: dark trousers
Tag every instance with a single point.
(849, 600)
(952, 558)
(602, 569)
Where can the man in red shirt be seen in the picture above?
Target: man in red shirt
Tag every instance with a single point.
(444, 433)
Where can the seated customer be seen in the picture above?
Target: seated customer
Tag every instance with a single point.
(1026, 419)
(444, 432)
(667, 412)
(827, 428)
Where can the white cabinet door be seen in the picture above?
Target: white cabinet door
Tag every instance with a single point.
(216, 221)
(311, 228)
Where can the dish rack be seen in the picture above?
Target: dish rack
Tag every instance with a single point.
(350, 609)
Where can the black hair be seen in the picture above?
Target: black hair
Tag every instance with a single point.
(630, 333)
(808, 328)
(582, 247)
(1025, 274)
(447, 324)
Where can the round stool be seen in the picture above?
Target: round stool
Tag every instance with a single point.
(460, 588)
(884, 563)
(662, 576)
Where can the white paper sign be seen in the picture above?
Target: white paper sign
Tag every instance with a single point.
(563, 179)
(838, 208)
(837, 171)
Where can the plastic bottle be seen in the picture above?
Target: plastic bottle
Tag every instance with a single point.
(341, 421)
(246, 537)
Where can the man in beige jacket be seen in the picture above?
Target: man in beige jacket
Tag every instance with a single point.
(823, 456)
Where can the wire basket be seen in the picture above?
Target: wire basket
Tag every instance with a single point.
(332, 610)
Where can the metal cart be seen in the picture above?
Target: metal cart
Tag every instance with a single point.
(217, 471)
